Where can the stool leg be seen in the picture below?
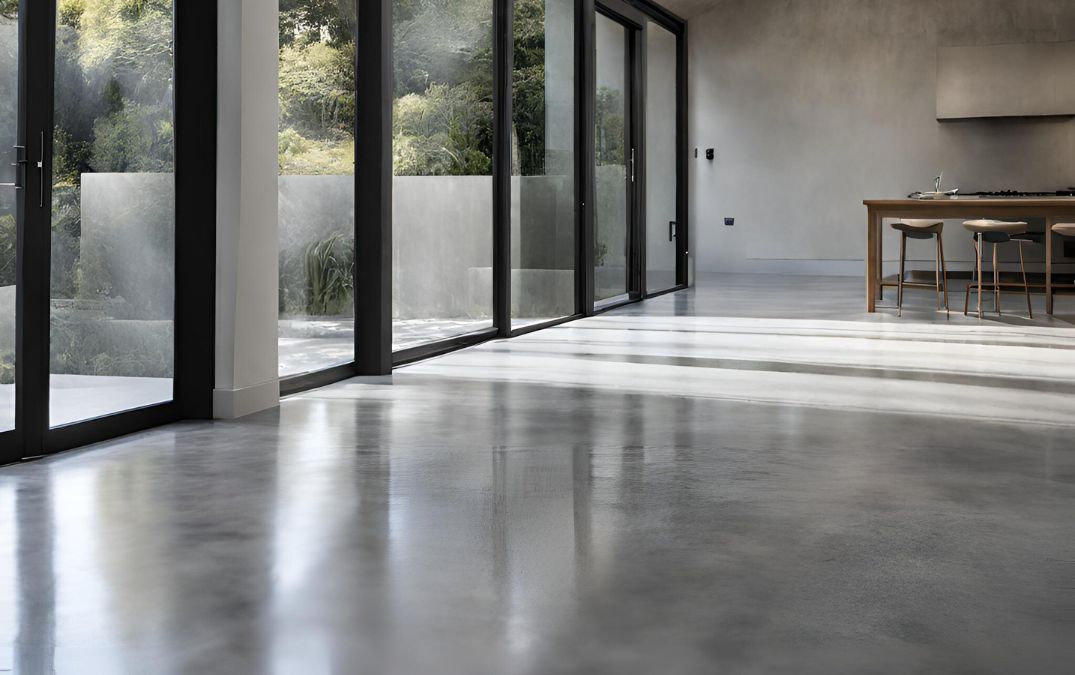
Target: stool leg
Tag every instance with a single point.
(974, 276)
(1026, 286)
(1049, 266)
(944, 274)
(937, 269)
(899, 282)
(980, 248)
(996, 282)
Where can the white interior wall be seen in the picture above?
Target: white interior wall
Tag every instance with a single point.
(247, 160)
(813, 106)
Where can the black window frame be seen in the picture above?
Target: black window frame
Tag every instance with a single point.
(373, 186)
(194, 111)
(195, 237)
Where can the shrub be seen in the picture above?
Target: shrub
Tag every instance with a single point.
(330, 266)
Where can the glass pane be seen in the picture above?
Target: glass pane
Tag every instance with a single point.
(317, 186)
(442, 144)
(611, 152)
(543, 161)
(113, 224)
(9, 115)
(660, 157)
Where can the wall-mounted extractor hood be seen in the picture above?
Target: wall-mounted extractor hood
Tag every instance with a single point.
(1013, 80)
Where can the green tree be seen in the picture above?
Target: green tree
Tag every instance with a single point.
(317, 87)
(528, 86)
(313, 20)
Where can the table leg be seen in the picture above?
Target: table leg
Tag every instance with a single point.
(880, 257)
(1049, 265)
(872, 285)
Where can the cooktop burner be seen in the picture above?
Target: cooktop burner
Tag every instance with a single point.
(1070, 192)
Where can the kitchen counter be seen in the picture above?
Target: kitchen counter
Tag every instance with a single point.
(1052, 209)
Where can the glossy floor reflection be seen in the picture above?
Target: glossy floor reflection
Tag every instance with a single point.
(627, 494)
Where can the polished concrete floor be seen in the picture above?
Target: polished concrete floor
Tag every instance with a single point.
(751, 476)
(306, 346)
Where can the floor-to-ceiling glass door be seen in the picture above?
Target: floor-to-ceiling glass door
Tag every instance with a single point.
(11, 193)
(88, 237)
(112, 282)
(661, 149)
(442, 173)
(543, 162)
(316, 188)
(615, 160)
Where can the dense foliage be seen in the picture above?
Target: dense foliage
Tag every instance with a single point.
(113, 114)
(442, 123)
(443, 103)
(317, 87)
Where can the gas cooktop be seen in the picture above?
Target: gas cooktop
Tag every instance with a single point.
(995, 194)
(1070, 192)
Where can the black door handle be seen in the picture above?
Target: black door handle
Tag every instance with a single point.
(671, 230)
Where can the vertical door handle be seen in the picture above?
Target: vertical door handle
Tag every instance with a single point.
(632, 165)
(41, 174)
(671, 230)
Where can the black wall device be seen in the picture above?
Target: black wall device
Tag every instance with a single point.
(710, 153)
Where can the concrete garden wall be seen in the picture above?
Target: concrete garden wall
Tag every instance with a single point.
(442, 239)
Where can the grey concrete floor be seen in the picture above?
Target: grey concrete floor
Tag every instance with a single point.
(719, 480)
(306, 346)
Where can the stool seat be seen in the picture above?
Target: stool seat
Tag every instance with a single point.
(995, 226)
(1064, 229)
(919, 229)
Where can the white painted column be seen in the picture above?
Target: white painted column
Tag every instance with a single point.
(247, 378)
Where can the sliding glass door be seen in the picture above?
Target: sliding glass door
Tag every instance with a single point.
(639, 233)
(112, 284)
(89, 252)
(11, 193)
(661, 149)
(442, 168)
(543, 222)
(316, 185)
(615, 160)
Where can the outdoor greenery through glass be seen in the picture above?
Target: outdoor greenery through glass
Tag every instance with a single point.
(113, 193)
(611, 214)
(442, 143)
(316, 185)
(543, 161)
(9, 107)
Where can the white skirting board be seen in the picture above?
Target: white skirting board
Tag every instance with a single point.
(229, 404)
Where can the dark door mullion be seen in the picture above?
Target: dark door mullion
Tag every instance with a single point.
(503, 25)
(636, 224)
(35, 236)
(682, 229)
(585, 72)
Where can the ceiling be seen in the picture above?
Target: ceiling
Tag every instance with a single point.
(688, 9)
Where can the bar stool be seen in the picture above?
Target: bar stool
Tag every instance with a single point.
(1067, 231)
(921, 229)
(995, 232)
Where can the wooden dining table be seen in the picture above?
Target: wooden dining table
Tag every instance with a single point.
(1052, 209)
